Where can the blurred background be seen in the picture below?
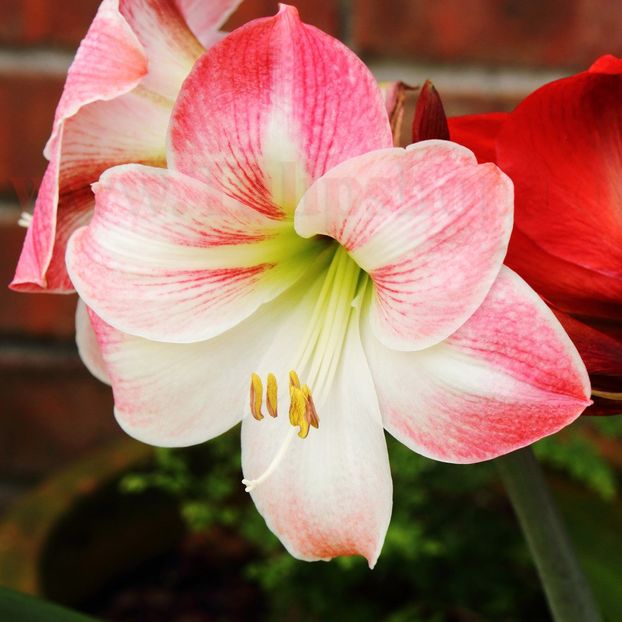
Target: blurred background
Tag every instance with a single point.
(60, 446)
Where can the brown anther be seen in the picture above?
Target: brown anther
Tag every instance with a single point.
(271, 395)
(311, 412)
(256, 396)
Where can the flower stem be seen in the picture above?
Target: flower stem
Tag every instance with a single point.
(567, 591)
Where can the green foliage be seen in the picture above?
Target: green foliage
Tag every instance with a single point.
(574, 451)
(18, 607)
(453, 551)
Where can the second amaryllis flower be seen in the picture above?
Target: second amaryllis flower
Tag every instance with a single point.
(115, 108)
(563, 151)
(291, 269)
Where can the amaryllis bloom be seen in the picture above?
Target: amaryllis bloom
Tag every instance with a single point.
(293, 270)
(115, 108)
(562, 148)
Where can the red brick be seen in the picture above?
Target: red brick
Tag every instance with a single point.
(568, 33)
(43, 315)
(45, 22)
(321, 13)
(28, 103)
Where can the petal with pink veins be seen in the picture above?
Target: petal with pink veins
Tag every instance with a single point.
(88, 348)
(206, 18)
(168, 258)
(329, 494)
(505, 379)
(168, 42)
(271, 108)
(114, 109)
(428, 224)
(129, 128)
(172, 395)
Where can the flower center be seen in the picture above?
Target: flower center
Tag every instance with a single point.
(318, 355)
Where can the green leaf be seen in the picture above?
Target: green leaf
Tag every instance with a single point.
(18, 607)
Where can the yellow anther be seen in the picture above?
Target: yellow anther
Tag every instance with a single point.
(311, 413)
(297, 407)
(256, 396)
(303, 424)
(294, 381)
(271, 395)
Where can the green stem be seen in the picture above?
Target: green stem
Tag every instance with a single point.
(568, 593)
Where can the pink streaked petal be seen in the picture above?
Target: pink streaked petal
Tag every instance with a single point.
(174, 395)
(130, 128)
(170, 46)
(171, 394)
(36, 254)
(271, 108)
(88, 348)
(206, 18)
(167, 258)
(110, 61)
(428, 224)
(505, 379)
(331, 493)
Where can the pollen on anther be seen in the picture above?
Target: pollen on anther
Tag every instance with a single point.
(271, 395)
(294, 381)
(297, 406)
(256, 397)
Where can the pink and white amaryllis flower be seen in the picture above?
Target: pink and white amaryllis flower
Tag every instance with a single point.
(291, 269)
(115, 108)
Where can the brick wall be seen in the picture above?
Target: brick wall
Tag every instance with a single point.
(482, 55)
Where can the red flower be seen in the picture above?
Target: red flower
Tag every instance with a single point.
(562, 147)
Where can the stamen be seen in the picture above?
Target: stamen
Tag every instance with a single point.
(302, 415)
(271, 395)
(256, 396)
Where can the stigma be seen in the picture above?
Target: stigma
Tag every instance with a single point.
(302, 412)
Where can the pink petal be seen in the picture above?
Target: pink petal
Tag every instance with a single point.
(171, 394)
(167, 258)
(169, 45)
(206, 18)
(174, 395)
(505, 379)
(110, 61)
(114, 109)
(129, 128)
(428, 224)
(86, 340)
(271, 108)
(331, 493)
